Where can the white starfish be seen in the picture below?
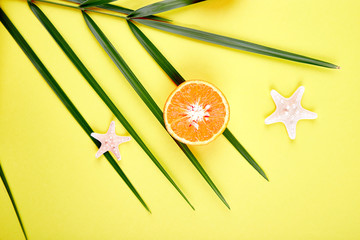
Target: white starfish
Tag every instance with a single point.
(110, 141)
(289, 111)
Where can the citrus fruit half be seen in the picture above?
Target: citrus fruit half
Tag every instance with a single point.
(196, 112)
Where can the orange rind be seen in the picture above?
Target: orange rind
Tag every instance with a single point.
(196, 112)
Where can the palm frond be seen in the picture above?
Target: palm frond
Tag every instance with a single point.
(144, 95)
(178, 79)
(62, 96)
(232, 42)
(97, 88)
(161, 6)
(94, 3)
(118, 9)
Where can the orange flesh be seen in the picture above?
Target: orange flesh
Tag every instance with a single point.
(196, 112)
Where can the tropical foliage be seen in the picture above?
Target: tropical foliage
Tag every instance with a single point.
(145, 16)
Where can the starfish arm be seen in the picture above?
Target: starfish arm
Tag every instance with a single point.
(101, 151)
(298, 94)
(121, 139)
(278, 99)
(273, 118)
(291, 129)
(116, 152)
(112, 128)
(306, 114)
(97, 136)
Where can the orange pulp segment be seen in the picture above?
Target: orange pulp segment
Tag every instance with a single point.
(196, 112)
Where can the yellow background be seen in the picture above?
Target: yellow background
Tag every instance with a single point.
(64, 192)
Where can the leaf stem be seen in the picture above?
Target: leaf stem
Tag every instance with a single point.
(109, 14)
(56, 3)
(79, 8)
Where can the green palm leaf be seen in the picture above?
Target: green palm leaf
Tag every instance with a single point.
(3, 178)
(220, 40)
(236, 144)
(119, 9)
(110, 7)
(233, 43)
(97, 88)
(161, 6)
(62, 96)
(178, 79)
(94, 3)
(144, 95)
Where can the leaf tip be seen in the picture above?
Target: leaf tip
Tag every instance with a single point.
(266, 178)
(228, 206)
(225, 202)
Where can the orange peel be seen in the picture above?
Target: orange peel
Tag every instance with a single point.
(196, 112)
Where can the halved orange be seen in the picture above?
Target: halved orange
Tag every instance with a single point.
(196, 112)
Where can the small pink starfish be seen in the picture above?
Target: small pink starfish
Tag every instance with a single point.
(289, 111)
(109, 141)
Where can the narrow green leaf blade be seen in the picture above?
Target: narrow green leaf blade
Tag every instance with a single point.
(122, 10)
(178, 79)
(62, 96)
(94, 3)
(144, 95)
(123, 67)
(111, 7)
(124, 177)
(201, 170)
(116, 8)
(128, 11)
(161, 6)
(232, 139)
(233, 43)
(156, 54)
(101, 93)
(3, 178)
